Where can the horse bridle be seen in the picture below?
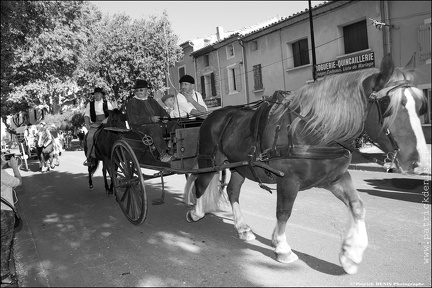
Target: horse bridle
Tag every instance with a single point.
(382, 104)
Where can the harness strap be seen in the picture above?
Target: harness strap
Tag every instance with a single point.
(303, 152)
(251, 157)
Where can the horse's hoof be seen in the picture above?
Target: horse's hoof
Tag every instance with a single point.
(348, 265)
(109, 193)
(189, 217)
(91, 187)
(286, 257)
(246, 235)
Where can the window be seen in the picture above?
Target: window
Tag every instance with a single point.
(232, 85)
(258, 84)
(300, 52)
(424, 40)
(181, 71)
(254, 45)
(355, 37)
(208, 85)
(230, 51)
(206, 60)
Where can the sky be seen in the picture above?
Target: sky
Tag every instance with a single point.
(194, 19)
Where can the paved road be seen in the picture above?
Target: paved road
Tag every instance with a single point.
(76, 237)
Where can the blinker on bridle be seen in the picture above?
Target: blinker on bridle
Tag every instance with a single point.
(382, 104)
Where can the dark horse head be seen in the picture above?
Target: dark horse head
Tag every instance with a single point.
(104, 140)
(304, 141)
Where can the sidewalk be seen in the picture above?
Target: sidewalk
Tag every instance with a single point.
(367, 160)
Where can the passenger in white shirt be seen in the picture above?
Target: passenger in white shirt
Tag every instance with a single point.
(189, 103)
(96, 114)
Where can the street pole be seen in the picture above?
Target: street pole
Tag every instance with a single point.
(312, 42)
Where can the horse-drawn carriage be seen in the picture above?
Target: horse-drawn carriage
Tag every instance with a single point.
(298, 140)
(133, 150)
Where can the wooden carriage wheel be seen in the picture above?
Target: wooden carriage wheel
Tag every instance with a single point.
(129, 188)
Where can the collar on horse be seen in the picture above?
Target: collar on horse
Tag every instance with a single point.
(257, 157)
(290, 150)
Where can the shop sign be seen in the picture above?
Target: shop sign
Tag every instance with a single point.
(348, 64)
(213, 102)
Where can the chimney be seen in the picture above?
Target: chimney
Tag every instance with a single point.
(219, 32)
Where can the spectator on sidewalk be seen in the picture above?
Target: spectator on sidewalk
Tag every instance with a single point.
(8, 183)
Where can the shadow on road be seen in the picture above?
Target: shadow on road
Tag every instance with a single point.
(313, 262)
(405, 189)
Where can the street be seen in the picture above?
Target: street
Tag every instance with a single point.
(75, 237)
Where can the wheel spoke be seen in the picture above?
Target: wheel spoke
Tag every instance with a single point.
(128, 183)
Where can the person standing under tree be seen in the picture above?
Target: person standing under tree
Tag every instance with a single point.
(95, 114)
(8, 183)
(29, 137)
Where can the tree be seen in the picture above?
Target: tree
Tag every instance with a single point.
(41, 44)
(55, 51)
(123, 50)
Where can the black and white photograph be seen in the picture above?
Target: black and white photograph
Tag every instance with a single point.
(216, 143)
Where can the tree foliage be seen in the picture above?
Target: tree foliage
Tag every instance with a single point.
(55, 51)
(41, 44)
(123, 50)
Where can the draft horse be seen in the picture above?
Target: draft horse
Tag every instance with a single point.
(304, 142)
(45, 150)
(103, 143)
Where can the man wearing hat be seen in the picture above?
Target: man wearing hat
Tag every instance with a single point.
(144, 114)
(96, 112)
(189, 102)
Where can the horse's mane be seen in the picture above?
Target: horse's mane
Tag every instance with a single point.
(116, 118)
(333, 107)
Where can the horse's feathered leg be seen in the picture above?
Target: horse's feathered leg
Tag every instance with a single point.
(356, 239)
(108, 189)
(51, 159)
(233, 189)
(209, 196)
(287, 190)
(91, 171)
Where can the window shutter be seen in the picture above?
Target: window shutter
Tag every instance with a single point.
(203, 87)
(355, 37)
(213, 84)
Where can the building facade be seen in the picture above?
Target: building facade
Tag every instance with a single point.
(348, 35)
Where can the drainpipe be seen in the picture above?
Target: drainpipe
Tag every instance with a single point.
(385, 18)
(312, 42)
(220, 79)
(245, 70)
(283, 70)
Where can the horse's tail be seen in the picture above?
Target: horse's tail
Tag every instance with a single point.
(214, 198)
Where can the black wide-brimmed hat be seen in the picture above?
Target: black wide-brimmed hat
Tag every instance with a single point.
(141, 84)
(98, 89)
(187, 78)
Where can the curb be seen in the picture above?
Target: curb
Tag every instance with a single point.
(367, 168)
(382, 169)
